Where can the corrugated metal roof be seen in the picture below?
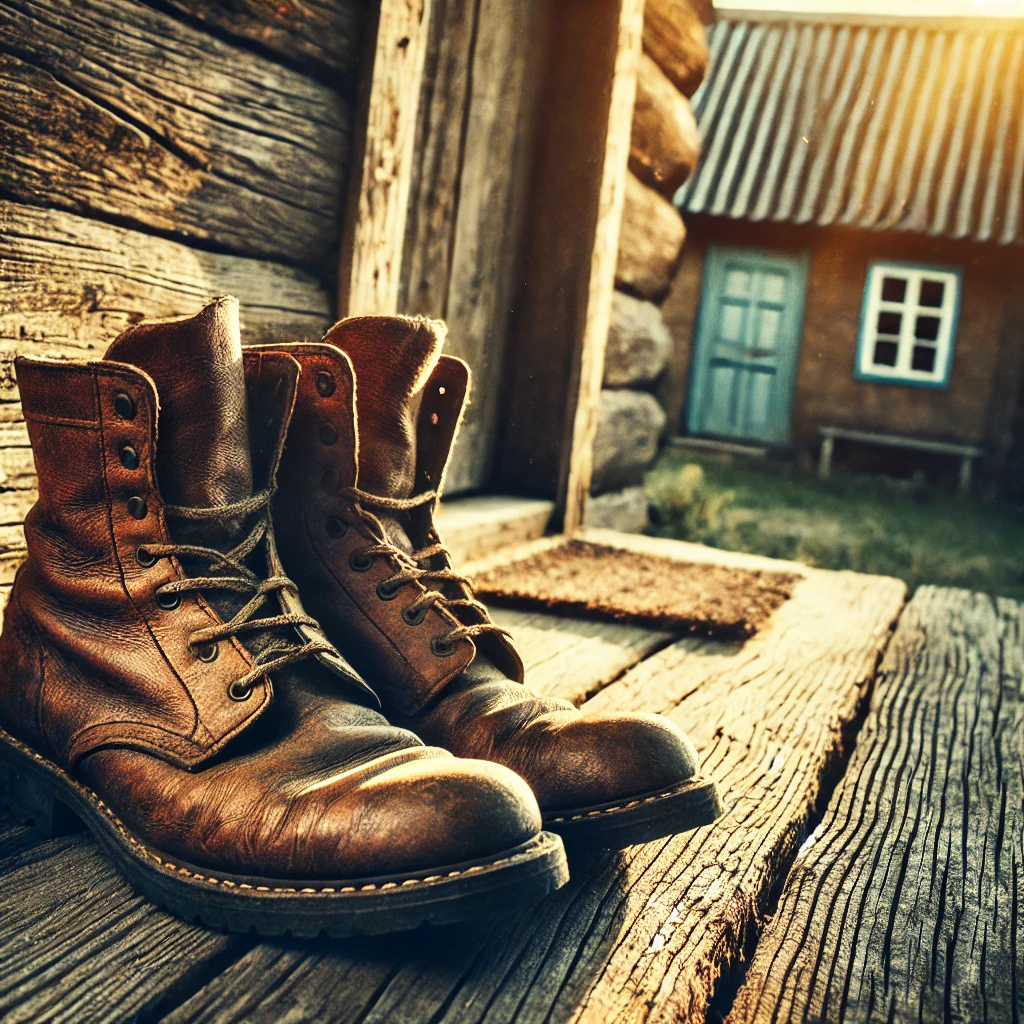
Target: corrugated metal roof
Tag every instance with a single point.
(910, 126)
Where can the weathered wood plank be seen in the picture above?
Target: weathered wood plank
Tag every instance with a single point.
(117, 110)
(575, 658)
(370, 264)
(434, 192)
(69, 286)
(586, 394)
(328, 32)
(639, 935)
(77, 944)
(905, 903)
(474, 527)
(487, 233)
(574, 209)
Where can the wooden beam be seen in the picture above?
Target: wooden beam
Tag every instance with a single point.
(603, 262)
(554, 361)
(370, 265)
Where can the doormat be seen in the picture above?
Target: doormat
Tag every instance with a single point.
(594, 580)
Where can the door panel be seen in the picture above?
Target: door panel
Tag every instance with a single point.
(748, 341)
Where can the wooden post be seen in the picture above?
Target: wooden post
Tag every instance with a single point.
(374, 235)
(555, 358)
(603, 261)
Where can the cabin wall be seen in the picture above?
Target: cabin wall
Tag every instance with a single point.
(157, 155)
(979, 404)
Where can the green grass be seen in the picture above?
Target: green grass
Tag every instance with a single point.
(867, 523)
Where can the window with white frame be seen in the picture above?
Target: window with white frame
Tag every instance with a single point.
(908, 325)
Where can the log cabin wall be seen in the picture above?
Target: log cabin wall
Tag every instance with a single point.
(155, 155)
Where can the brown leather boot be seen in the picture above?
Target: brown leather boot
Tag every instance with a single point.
(160, 679)
(356, 531)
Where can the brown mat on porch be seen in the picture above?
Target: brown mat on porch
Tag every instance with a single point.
(578, 577)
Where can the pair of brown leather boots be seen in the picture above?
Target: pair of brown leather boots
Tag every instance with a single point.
(367, 763)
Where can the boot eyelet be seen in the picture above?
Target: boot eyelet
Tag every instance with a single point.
(168, 599)
(239, 693)
(145, 559)
(386, 593)
(328, 434)
(336, 527)
(136, 507)
(441, 647)
(124, 406)
(208, 652)
(129, 457)
(414, 617)
(324, 384)
(359, 561)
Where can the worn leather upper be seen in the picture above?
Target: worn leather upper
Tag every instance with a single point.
(98, 676)
(390, 418)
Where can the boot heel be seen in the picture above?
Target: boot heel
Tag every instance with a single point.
(31, 801)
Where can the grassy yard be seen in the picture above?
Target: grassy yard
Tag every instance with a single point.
(868, 523)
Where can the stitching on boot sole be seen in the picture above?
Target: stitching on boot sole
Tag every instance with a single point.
(173, 869)
(611, 810)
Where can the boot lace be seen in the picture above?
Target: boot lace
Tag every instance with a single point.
(415, 568)
(239, 579)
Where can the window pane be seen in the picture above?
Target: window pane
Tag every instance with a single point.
(737, 283)
(885, 353)
(931, 293)
(731, 327)
(889, 323)
(927, 328)
(767, 328)
(773, 289)
(923, 358)
(894, 289)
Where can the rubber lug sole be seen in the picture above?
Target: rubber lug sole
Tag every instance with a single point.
(39, 792)
(640, 819)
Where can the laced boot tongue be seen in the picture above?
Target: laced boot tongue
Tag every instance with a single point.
(392, 356)
(203, 451)
(202, 458)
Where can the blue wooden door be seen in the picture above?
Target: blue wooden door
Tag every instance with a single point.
(748, 342)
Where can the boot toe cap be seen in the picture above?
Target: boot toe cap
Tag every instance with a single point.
(596, 759)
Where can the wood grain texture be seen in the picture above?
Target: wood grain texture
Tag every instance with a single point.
(440, 135)
(370, 265)
(569, 195)
(905, 903)
(77, 944)
(326, 32)
(674, 37)
(70, 285)
(488, 228)
(474, 527)
(665, 142)
(120, 111)
(639, 935)
(649, 245)
(603, 259)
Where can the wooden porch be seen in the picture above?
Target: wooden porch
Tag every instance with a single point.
(870, 752)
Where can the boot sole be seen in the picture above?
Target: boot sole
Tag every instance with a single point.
(640, 819)
(41, 793)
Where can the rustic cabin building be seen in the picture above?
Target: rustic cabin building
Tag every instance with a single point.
(852, 275)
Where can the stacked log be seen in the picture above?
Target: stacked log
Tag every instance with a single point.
(664, 148)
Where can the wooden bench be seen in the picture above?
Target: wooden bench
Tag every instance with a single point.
(903, 903)
(965, 452)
